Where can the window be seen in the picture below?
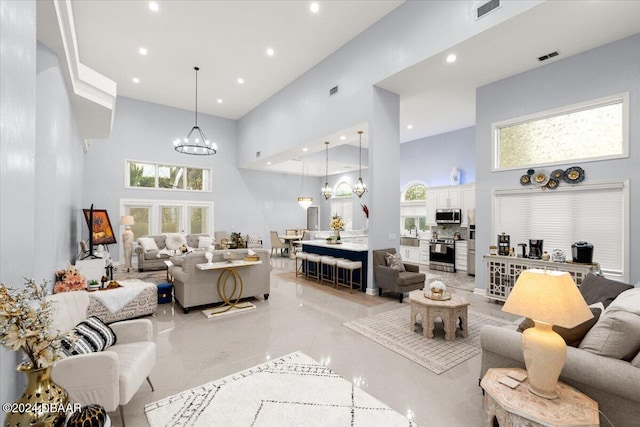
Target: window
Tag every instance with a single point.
(595, 213)
(163, 176)
(153, 217)
(415, 192)
(342, 204)
(589, 131)
(413, 208)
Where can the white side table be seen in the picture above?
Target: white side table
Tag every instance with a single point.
(519, 407)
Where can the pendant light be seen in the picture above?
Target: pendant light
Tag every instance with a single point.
(326, 191)
(304, 201)
(199, 144)
(360, 188)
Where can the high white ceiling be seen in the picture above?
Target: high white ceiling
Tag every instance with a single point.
(228, 40)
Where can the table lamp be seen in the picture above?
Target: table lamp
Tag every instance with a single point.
(548, 298)
(127, 239)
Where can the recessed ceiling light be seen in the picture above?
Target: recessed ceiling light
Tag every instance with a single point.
(451, 58)
(240, 80)
(314, 7)
(268, 163)
(154, 6)
(409, 126)
(342, 137)
(219, 101)
(136, 80)
(305, 149)
(270, 51)
(142, 51)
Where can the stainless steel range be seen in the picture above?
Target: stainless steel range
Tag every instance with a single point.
(442, 255)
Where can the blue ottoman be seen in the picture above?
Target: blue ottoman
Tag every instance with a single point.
(165, 293)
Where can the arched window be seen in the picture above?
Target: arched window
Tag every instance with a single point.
(415, 192)
(342, 204)
(413, 208)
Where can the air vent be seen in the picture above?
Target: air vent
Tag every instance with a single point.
(548, 55)
(487, 7)
(333, 90)
(257, 154)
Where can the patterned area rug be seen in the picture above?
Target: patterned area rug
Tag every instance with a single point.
(391, 329)
(293, 390)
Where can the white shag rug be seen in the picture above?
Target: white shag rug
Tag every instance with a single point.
(293, 390)
(391, 329)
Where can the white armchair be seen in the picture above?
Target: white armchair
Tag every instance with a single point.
(111, 377)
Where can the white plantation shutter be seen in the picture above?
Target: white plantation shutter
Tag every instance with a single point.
(594, 213)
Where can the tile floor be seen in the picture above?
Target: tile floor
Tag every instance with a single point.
(193, 350)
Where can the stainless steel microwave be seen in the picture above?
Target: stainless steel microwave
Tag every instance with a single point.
(448, 216)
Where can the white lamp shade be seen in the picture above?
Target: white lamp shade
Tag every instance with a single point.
(548, 296)
(126, 220)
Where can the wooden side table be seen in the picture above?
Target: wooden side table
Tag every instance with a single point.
(519, 407)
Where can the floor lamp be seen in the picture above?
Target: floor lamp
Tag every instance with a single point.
(127, 240)
(548, 298)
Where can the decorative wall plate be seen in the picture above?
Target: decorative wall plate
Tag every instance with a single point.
(540, 178)
(552, 184)
(557, 174)
(525, 180)
(573, 175)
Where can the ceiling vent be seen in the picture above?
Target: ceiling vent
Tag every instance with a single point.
(486, 8)
(333, 90)
(548, 55)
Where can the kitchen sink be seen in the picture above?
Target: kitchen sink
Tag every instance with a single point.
(409, 241)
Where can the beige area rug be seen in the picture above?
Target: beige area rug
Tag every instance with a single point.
(357, 296)
(391, 329)
(153, 276)
(293, 390)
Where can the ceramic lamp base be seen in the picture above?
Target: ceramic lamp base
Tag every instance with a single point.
(545, 353)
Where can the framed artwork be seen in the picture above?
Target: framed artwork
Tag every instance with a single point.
(99, 227)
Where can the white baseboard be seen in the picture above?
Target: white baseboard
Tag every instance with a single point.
(372, 291)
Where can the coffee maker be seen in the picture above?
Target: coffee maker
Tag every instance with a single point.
(535, 249)
(504, 244)
(522, 250)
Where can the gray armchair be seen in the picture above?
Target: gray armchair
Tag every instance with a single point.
(393, 280)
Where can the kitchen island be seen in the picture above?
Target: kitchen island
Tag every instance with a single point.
(346, 250)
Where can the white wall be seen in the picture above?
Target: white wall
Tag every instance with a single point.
(40, 165)
(599, 72)
(245, 201)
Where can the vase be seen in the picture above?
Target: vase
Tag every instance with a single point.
(43, 402)
(336, 234)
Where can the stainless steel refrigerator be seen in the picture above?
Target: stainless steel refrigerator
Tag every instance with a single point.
(471, 243)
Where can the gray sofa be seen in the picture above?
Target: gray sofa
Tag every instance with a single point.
(613, 383)
(194, 287)
(149, 260)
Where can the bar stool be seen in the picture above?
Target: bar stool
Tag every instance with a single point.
(313, 260)
(350, 266)
(330, 263)
(302, 268)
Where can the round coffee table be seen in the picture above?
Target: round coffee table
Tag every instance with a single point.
(448, 311)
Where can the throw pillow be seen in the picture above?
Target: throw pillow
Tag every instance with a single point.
(148, 244)
(572, 336)
(599, 289)
(395, 261)
(204, 242)
(617, 334)
(90, 335)
(175, 241)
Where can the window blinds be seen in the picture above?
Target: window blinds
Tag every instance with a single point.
(591, 213)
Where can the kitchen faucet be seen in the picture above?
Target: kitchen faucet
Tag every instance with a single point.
(413, 227)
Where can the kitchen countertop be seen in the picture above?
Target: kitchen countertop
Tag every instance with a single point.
(346, 246)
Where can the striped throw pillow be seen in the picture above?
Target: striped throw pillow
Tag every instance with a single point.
(90, 335)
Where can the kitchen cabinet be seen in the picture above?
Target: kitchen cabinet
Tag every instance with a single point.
(462, 197)
(461, 255)
(424, 251)
(503, 271)
(410, 254)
